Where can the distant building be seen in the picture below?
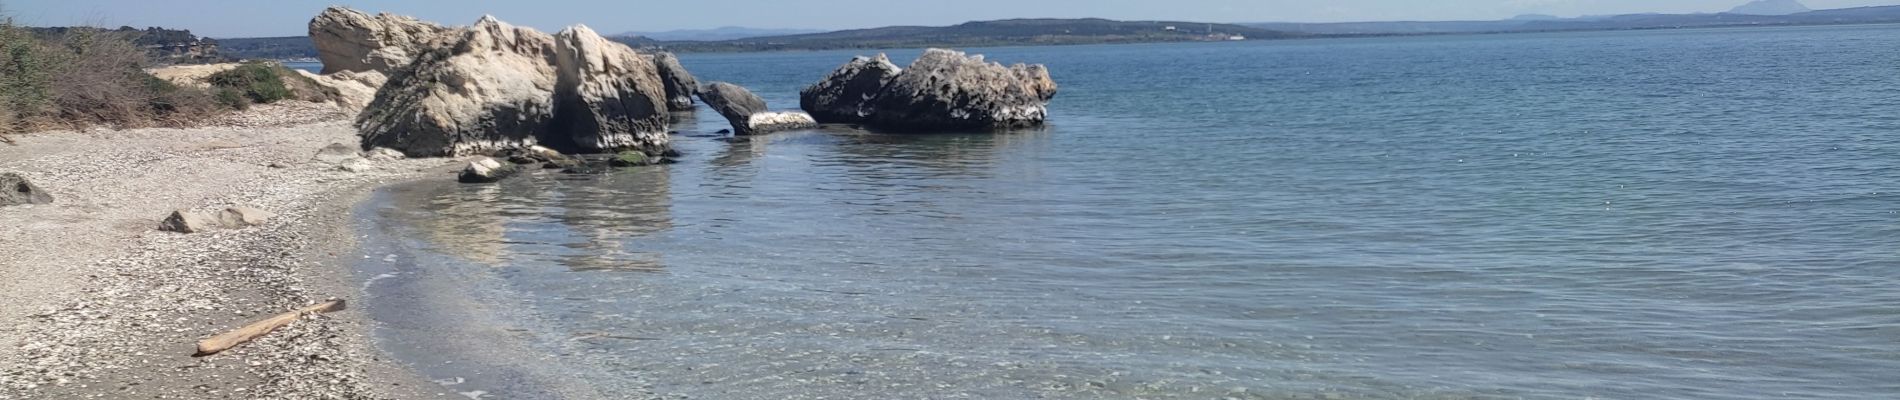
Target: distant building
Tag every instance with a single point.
(1170, 28)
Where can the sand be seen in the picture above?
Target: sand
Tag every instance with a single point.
(97, 303)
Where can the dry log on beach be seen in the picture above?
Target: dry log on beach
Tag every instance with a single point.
(258, 329)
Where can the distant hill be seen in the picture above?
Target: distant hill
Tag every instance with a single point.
(164, 45)
(983, 33)
(721, 33)
(1861, 15)
(270, 48)
(1771, 7)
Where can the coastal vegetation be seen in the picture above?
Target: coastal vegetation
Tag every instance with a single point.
(70, 78)
(261, 82)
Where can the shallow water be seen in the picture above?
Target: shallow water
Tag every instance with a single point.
(1702, 214)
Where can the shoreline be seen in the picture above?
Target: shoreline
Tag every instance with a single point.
(99, 304)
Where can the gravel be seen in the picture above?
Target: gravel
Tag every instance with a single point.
(97, 303)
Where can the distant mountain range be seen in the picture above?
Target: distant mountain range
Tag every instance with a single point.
(1771, 7)
(1752, 14)
(720, 33)
(1009, 32)
(1023, 32)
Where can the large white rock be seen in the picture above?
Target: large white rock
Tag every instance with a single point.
(608, 97)
(350, 40)
(498, 87)
(493, 89)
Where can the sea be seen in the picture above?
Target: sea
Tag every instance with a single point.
(1663, 214)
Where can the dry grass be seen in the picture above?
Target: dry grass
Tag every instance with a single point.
(89, 77)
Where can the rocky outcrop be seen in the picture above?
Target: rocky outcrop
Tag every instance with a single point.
(493, 89)
(494, 86)
(350, 40)
(747, 112)
(948, 91)
(943, 90)
(15, 190)
(352, 90)
(846, 95)
(681, 86)
(608, 96)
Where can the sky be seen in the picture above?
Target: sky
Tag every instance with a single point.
(253, 18)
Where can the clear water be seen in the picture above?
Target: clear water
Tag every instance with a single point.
(313, 67)
(1700, 214)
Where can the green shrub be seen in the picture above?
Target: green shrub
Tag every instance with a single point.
(81, 77)
(261, 82)
(231, 98)
(26, 70)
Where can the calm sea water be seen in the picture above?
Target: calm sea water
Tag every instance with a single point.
(1698, 214)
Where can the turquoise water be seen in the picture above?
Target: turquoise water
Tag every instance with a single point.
(1696, 214)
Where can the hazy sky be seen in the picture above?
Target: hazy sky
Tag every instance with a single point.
(233, 18)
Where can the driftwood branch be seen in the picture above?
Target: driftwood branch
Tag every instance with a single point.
(257, 329)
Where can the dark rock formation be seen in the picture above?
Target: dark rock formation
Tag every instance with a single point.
(944, 90)
(15, 190)
(948, 91)
(681, 86)
(747, 112)
(845, 96)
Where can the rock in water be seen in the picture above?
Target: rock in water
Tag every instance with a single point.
(486, 170)
(946, 90)
(746, 111)
(240, 217)
(681, 86)
(493, 89)
(608, 97)
(733, 102)
(15, 190)
(182, 221)
(350, 40)
(774, 121)
(630, 159)
(846, 95)
(493, 86)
